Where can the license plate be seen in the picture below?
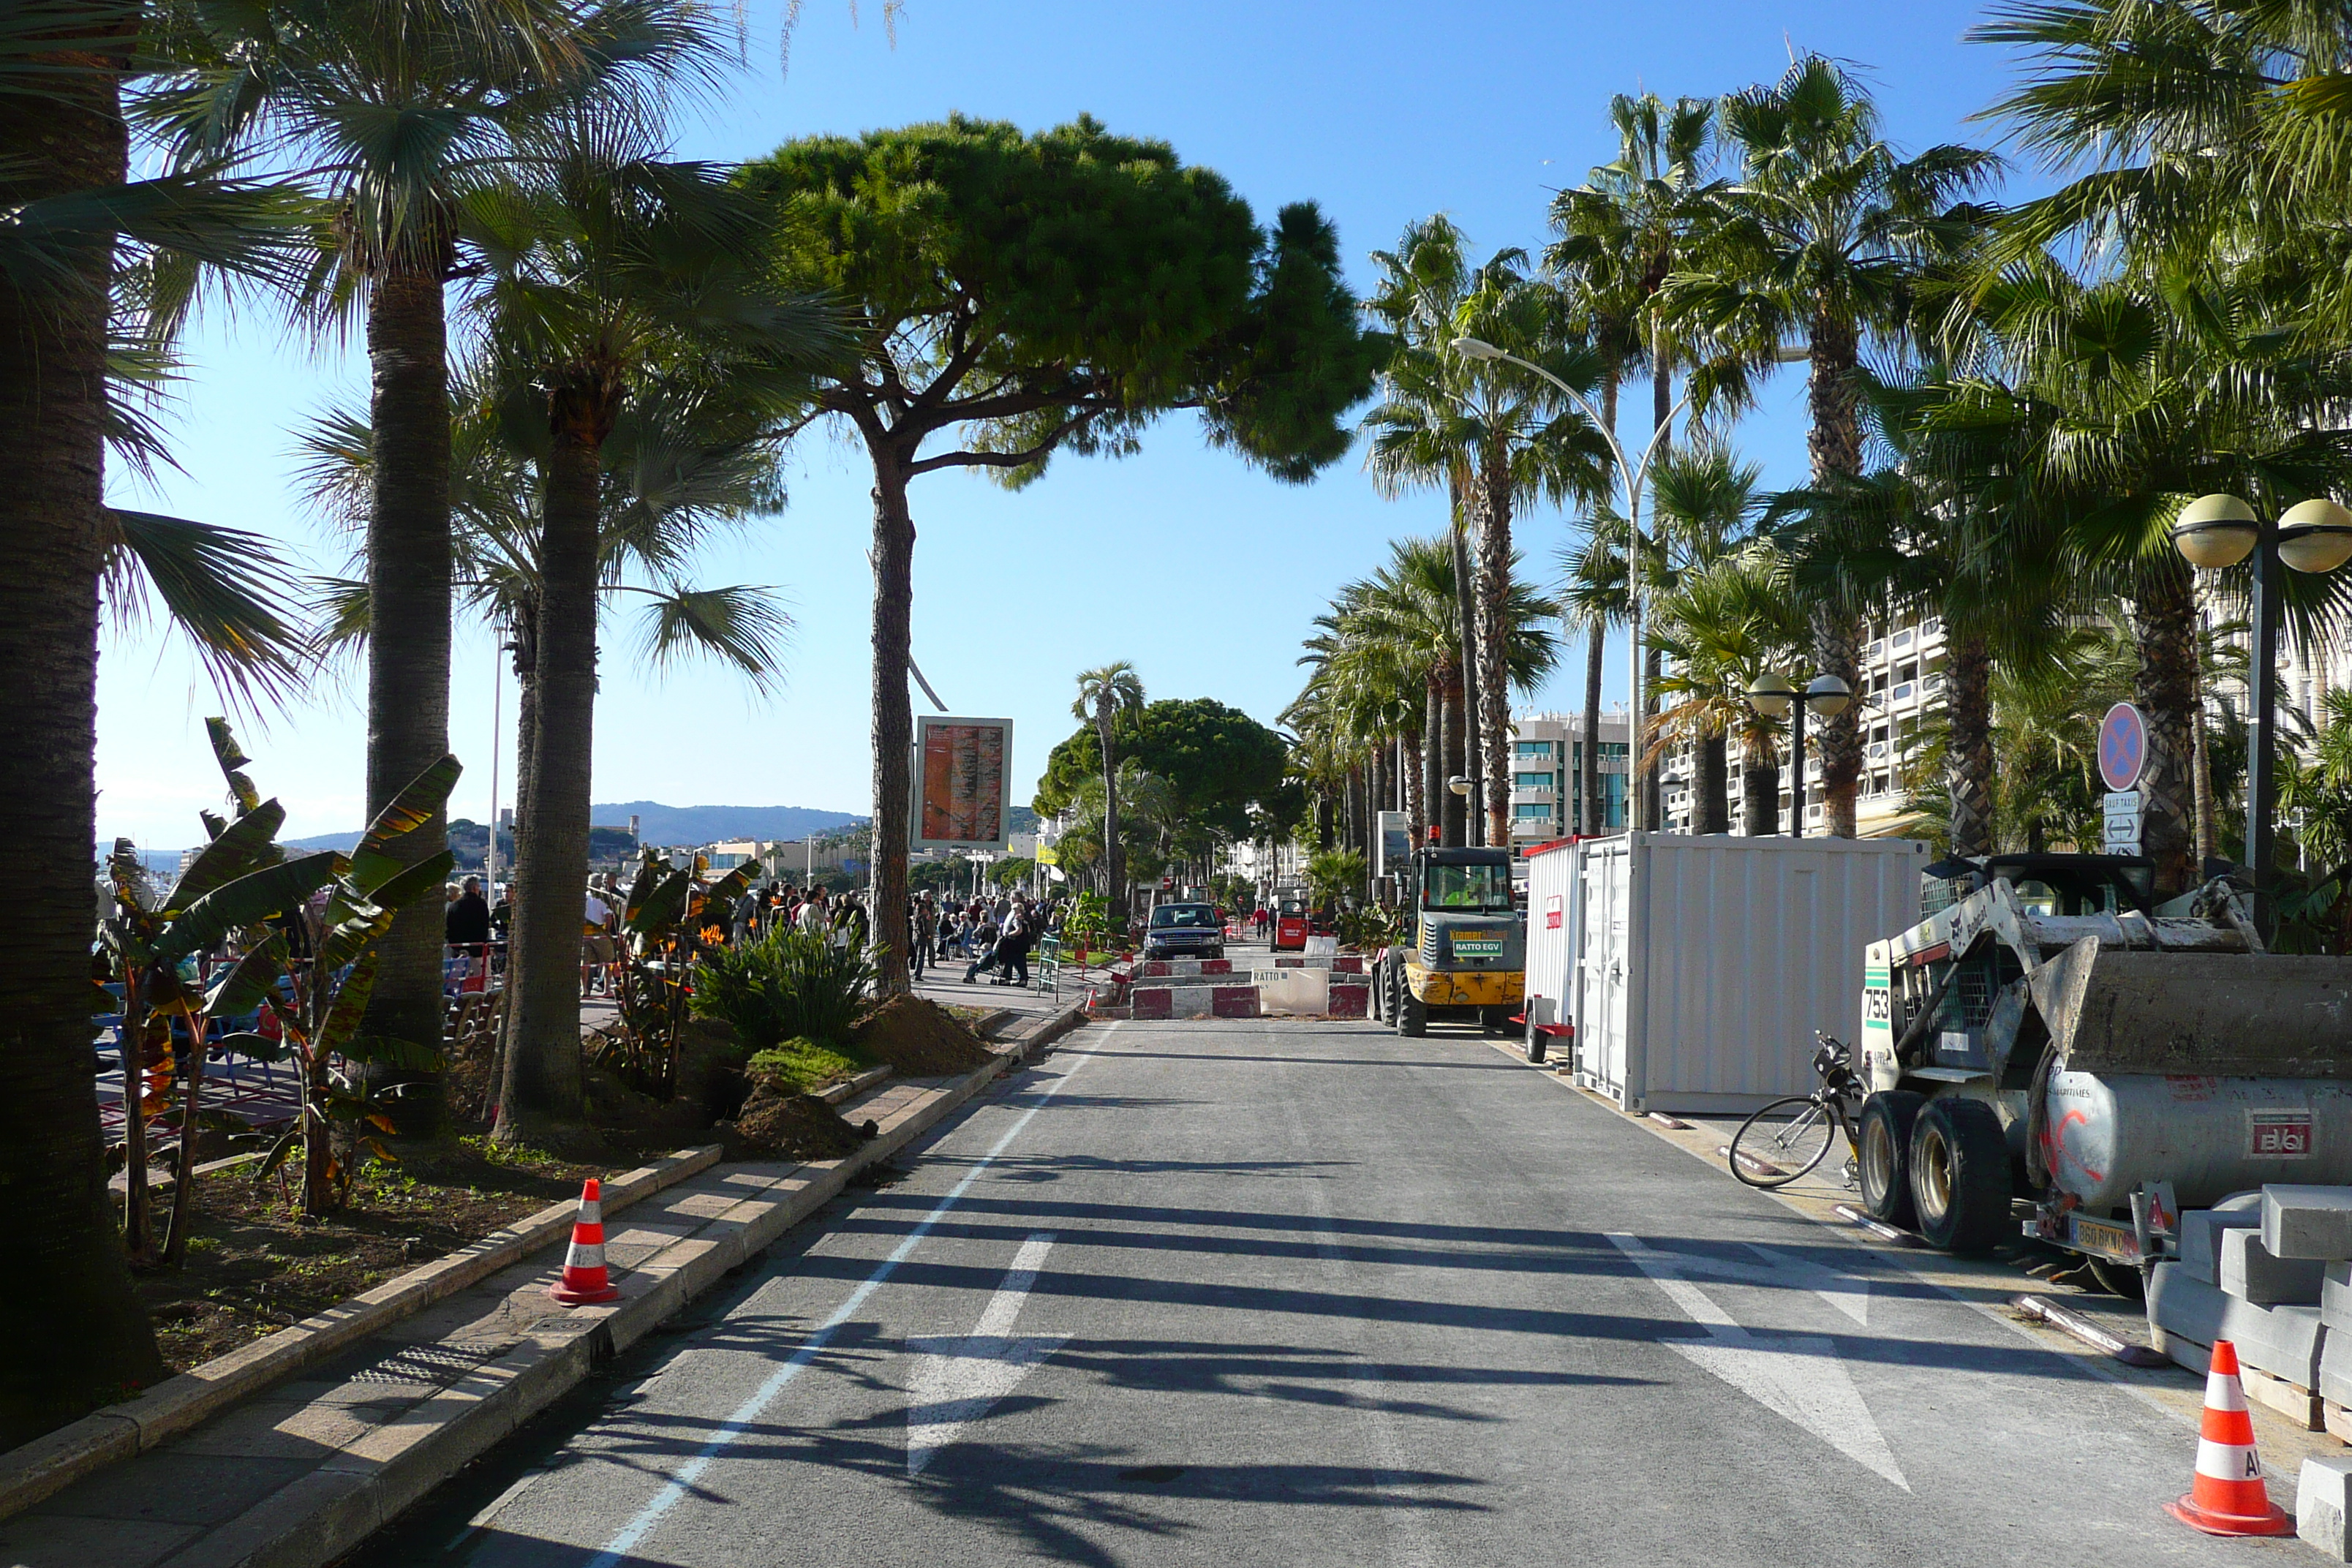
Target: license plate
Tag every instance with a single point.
(2104, 1238)
(1478, 947)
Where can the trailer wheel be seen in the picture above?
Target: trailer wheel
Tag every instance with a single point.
(1538, 1043)
(2118, 1278)
(1885, 1139)
(1375, 990)
(1411, 1013)
(1960, 1175)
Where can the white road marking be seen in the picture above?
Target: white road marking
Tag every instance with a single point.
(956, 1378)
(1848, 1293)
(677, 1486)
(1411, 1544)
(1798, 1377)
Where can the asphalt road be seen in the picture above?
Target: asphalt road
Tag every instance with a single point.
(1279, 1292)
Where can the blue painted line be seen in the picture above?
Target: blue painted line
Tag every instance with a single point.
(618, 1549)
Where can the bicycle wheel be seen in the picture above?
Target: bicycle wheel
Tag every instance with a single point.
(1782, 1142)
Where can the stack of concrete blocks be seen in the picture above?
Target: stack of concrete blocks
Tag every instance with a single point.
(2272, 1273)
(1212, 988)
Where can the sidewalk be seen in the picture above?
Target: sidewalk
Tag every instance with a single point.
(299, 1473)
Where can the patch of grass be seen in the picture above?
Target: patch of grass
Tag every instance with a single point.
(801, 1066)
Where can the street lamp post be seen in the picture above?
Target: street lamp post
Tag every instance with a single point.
(1774, 694)
(1630, 475)
(2218, 531)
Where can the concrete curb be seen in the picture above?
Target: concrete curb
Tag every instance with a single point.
(325, 1514)
(46, 1464)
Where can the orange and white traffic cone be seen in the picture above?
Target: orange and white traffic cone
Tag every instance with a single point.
(2226, 1496)
(586, 1279)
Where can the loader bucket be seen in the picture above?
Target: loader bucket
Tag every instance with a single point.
(2222, 1014)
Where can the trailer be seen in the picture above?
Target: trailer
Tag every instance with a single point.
(1705, 965)
(1555, 916)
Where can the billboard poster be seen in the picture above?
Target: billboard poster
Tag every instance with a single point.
(1392, 849)
(960, 782)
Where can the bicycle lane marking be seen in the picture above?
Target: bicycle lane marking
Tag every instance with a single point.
(621, 1544)
(1798, 1377)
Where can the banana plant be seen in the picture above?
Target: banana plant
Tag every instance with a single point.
(314, 975)
(669, 917)
(240, 878)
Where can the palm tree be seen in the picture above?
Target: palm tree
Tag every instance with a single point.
(1499, 437)
(1704, 507)
(2205, 144)
(412, 117)
(1595, 594)
(1723, 624)
(1105, 692)
(1621, 235)
(1382, 637)
(93, 275)
(620, 271)
(1818, 243)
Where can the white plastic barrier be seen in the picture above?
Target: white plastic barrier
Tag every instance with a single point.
(1292, 993)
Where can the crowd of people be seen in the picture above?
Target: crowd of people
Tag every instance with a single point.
(994, 937)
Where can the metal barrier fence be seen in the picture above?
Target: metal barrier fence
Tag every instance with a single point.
(1049, 966)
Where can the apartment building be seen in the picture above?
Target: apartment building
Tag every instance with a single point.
(1548, 773)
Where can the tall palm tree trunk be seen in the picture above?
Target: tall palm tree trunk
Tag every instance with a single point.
(894, 718)
(1834, 443)
(1416, 780)
(542, 1086)
(1469, 762)
(1711, 811)
(408, 644)
(1967, 751)
(1591, 815)
(80, 1336)
(2164, 622)
(1114, 856)
(1454, 809)
(1653, 666)
(1432, 763)
(1759, 786)
(1494, 687)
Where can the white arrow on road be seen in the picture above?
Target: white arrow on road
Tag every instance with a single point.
(1797, 1376)
(958, 1377)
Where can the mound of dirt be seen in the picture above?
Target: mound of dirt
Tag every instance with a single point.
(795, 1126)
(917, 1038)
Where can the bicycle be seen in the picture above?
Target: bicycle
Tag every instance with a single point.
(1768, 1152)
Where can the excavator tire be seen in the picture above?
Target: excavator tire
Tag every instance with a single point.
(1959, 1176)
(1887, 1118)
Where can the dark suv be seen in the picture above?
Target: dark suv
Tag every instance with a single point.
(1184, 930)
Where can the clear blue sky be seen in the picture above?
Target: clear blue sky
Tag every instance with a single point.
(1202, 572)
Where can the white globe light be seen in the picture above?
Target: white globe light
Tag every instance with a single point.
(2216, 530)
(2315, 536)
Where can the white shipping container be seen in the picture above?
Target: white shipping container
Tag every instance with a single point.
(1705, 964)
(1555, 916)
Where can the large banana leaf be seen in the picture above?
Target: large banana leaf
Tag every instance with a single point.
(353, 925)
(250, 979)
(249, 900)
(412, 808)
(244, 845)
(231, 758)
(661, 909)
(351, 1001)
(397, 892)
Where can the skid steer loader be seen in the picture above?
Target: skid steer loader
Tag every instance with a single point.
(2052, 1037)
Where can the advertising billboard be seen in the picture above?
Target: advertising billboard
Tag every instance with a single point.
(960, 782)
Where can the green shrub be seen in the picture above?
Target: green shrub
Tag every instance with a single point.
(797, 1066)
(788, 985)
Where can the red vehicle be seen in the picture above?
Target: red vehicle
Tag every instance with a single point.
(1294, 922)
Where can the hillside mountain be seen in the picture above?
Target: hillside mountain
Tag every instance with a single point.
(678, 825)
(659, 824)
